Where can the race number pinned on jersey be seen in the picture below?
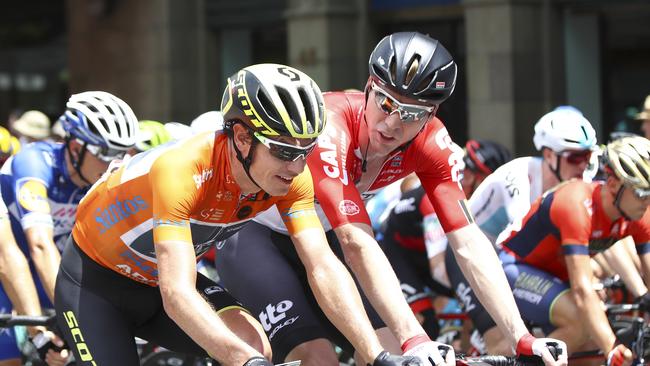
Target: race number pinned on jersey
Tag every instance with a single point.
(32, 196)
(455, 161)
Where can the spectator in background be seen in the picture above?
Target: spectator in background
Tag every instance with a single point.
(644, 117)
(32, 126)
(57, 134)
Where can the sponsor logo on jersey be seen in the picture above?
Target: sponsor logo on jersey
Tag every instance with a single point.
(213, 213)
(328, 154)
(199, 179)
(118, 211)
(275, 316)
(244, 212)
(405, 205)
(455, 161)
(212, 290)
(32, 196)
(348, 208)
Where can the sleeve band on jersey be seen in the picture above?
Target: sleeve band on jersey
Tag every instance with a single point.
(643, 248)
(575, 249)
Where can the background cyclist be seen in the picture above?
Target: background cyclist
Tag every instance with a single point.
(44, 182)
(547, 258)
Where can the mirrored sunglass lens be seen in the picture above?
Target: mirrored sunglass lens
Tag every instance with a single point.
(578, 158)
(287, 153)
(641, 193)
(384, 103)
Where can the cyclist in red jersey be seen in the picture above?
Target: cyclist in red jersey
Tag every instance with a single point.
(129, 268)
(372, 139)
(547, 259)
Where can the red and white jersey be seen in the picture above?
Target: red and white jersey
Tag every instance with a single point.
(336, 166)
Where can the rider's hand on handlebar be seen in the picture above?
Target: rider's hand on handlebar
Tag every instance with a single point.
(528, 347)
(644, 302)
(619, 356)
(429, 352)
(386, 359)
(258, 361)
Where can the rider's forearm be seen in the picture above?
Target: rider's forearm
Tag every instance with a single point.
(589, 307)
(17, 279)
(45, 255)
(345, 310)
(621, 262)
(378, 280)
(645, 267)
(482, 268)
(204, 326)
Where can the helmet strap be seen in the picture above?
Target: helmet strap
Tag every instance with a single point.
(556, 171)
(76, 163)
(248, 161)
(617, 202)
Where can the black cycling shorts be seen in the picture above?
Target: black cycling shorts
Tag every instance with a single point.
(261, 268)
(474, 309)
(100, 312)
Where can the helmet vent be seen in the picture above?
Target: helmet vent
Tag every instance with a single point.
(309, 111)
(289, 105)
(584, 131)
(414, 65)
(393, 70)
(268, 106)
(380, 74)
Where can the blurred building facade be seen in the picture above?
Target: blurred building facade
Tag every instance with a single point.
(517, 58)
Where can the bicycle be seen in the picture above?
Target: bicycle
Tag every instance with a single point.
(30, 356)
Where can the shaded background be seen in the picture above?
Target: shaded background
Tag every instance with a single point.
(169, 58)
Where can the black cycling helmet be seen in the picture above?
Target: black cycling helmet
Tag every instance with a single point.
(485, 156)
(274, 100)
(414, 65)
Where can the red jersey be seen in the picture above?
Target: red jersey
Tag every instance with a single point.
(336, 166)
(570, 220)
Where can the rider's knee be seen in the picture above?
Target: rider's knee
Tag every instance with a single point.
(248, 330)
(317, 352)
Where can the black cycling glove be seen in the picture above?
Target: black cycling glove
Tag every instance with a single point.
(644, 302)
(386, 359)
(258, 361)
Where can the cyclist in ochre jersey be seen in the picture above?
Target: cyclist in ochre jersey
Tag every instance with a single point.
(547, 258)
(372, 139)
(129, 268)
(44, 182)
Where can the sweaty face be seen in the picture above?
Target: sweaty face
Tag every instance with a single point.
(273, 174)
(386, 130)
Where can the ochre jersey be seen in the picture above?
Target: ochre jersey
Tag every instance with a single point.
(570, 220)
(336, 165)
(183, 191)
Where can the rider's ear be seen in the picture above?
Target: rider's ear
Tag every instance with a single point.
(74, 146)
(242, 138)
(547, 155)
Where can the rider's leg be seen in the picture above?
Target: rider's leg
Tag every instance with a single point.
(317, 352)
(568, 327)
(247, 329)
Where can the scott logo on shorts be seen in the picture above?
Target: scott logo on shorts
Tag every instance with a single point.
(119, 211)
(272, 315)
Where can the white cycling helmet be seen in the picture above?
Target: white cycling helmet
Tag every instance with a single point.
(564, 128)
(101, 119)
(208, 121)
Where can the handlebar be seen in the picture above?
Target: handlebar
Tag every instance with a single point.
(10, 320)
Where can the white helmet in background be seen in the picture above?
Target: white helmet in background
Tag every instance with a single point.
(178, 131)
(564, 128)
(102, 119)
(207, 122)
